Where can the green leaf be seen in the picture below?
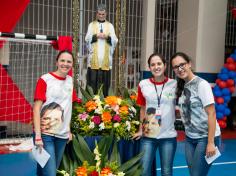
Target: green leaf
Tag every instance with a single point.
(127, 165)
(85, 94)
(90, 90)
(115, 155)
(111, 92)
(72, 169)
(65, 163)
(82, 150)
(135, 170)
(104, 145)
(100, 92)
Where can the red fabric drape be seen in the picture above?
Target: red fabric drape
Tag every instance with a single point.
(13, 105)
(63, 43)
(10, 13)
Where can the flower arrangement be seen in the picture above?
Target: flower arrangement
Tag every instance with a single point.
(78, 160)
(110, 169)
(98, 116)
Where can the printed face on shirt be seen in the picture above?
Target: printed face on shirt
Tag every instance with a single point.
(157, 67)
(101, 15)
(151, 126)
(51, 120)
(181, 67)
(64, 63)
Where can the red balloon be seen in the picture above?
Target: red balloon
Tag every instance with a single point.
(224, 118)
(217, 81)
(230, 82)
(230, 60)
(234, 13)
(232, 89)
(222, 84)
(222, 124)
(219, 100)
(231, 66)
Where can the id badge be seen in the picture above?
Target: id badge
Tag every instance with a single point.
(158, 113)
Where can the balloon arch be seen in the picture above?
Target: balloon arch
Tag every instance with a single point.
(223, 89)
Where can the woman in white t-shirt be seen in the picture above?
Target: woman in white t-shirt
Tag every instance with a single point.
(196, 102)
(156, 96)
(52, 112)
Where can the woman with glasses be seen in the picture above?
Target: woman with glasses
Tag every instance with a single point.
(196, 101)
(156, 96)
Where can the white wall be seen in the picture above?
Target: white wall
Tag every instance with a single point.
(201, 33)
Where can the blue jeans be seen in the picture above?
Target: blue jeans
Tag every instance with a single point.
(167, 148)
(55, 147)
(195, 151)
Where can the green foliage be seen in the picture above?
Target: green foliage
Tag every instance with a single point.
(78, 154)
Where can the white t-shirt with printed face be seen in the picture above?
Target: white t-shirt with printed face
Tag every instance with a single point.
(196, 96)
(147, 96)
(56, 93)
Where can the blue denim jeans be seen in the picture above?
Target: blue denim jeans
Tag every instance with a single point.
(167, 148)
(55, 147)
(195, 151)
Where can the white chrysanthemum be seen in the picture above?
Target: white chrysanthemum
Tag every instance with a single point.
(64, 173)
(116, 125)
(128, 125)
(97, 157)
(119, 101)
(107, 106)
(98, 110)
(91, 125)
(120, 174)
(133, 109)
(136, 122)
(96, 97)
(101, 126)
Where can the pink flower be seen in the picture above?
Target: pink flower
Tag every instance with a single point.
(83, 116)
(115, 108)
(116, 118)
(96, 120)
(78, 100)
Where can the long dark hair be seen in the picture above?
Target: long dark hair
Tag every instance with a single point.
(180, 82)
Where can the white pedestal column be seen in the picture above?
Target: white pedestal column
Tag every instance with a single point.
(201, 33)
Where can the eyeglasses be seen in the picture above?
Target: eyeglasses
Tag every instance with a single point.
(180, 66)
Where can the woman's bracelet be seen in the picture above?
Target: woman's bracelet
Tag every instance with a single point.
(38, 139)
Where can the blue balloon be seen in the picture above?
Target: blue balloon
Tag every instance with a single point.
(217, 93)
(223, 76)
(216, 88)
(219, 115)
(224, 70)
(232, 74)
(235, 51)
(225, 91)
(233, 56)
(226, 98)
(227, 111)
(220, 108)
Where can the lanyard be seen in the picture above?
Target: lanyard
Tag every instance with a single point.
(159, 97)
